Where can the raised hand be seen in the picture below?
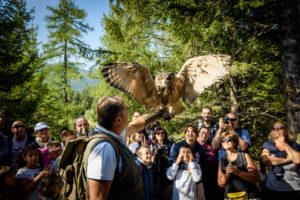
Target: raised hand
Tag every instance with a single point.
(191, 158)
(179, 158)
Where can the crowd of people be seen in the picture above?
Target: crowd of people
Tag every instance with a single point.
(211, 162)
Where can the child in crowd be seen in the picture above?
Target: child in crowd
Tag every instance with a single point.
(144, 161)
(186, 174)
(30, 176)
(8, 187)
(51, 153)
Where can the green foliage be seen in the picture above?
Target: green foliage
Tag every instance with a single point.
(20, 83)
(66, 27)
(163, 34)
(60, 104)
(53, 110)
(158, 34)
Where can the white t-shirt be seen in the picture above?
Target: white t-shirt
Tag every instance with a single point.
(102, 162)
(30, 174)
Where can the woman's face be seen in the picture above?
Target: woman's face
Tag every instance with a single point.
(160, 135)
(228, 142)
(203, 135)
(190, 136)
(279, 129)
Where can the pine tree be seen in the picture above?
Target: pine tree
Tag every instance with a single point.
(66, 26)
(20, 82)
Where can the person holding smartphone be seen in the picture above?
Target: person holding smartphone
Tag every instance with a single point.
(237, 171)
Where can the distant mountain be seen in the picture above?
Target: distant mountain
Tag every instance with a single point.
(78, 85)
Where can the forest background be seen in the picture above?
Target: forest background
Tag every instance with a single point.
(262, 37)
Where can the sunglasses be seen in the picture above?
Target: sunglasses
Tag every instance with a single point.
(278, 128)
(227, 140)
(19, 126)
(232, 119)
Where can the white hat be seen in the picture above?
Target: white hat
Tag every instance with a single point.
(39, 126)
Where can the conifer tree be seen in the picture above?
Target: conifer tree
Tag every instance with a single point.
(245, 30)
(66, 26)
(20, 82)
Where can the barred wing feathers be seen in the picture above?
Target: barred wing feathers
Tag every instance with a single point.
(133, 79)
(200, 72)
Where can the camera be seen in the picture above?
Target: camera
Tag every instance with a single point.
(226, 120)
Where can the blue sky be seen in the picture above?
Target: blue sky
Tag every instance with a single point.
(95, 10)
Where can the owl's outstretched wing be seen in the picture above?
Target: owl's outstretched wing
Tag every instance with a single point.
(133, 79)
(200, 72)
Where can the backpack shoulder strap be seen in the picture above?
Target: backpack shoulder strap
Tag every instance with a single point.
(92, 142)
(96, 139)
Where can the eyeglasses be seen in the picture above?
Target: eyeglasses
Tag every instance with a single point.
(227, 140)
(278, 128)
(232, 119)
(19, 126)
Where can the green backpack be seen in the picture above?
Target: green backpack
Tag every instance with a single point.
(72, 166)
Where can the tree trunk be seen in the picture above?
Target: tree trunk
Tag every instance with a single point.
(289, 28)
(221, 94)
(233, 95)
(65, 78)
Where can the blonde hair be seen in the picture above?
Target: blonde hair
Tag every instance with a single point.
(139, 149)
(289, 133)
(132, 138)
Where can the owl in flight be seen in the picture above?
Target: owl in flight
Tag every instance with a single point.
(168, 90)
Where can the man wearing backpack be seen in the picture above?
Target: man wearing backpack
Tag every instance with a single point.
(111, 169)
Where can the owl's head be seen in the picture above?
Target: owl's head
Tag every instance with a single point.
(164, 80)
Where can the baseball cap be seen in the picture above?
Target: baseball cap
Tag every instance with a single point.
(40, 126)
